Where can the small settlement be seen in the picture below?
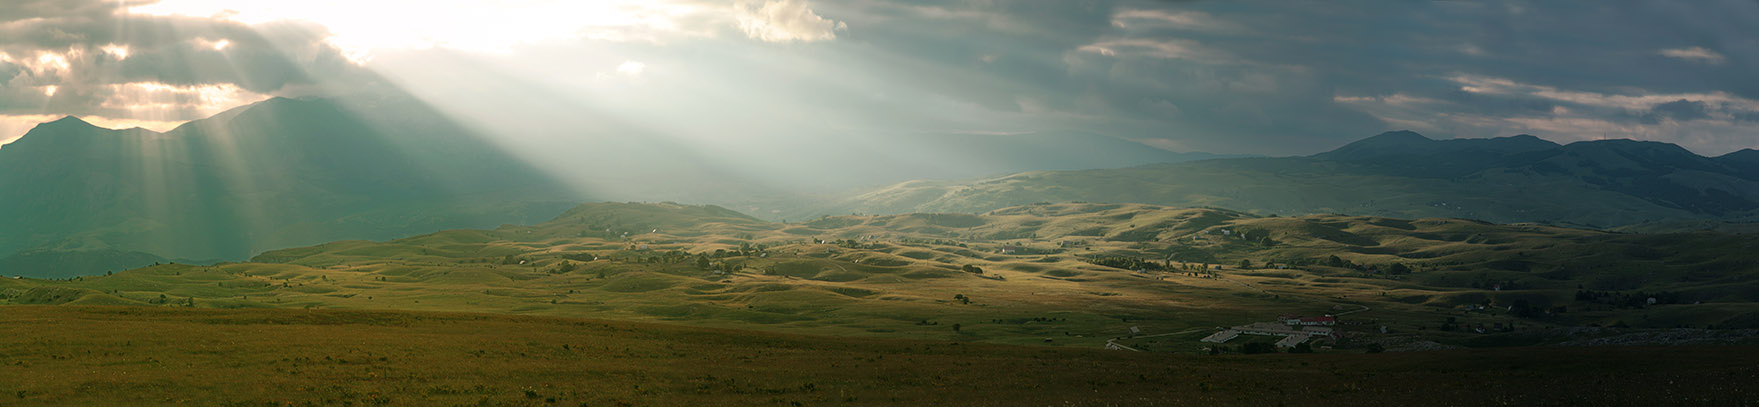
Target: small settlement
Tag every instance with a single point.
(1294, 330)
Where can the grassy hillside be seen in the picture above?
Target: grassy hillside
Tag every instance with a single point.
(174, 356)
(1059, 275)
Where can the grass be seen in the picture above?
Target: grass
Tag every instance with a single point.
(74, 355)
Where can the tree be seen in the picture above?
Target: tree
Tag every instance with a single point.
(972, 268)
(1245, 263)
(956, 327)
(1253, 348)
(1302, 347)
(702, 262)
(1398, 269)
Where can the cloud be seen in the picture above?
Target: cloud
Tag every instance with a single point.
(1149, 48)
(1695, 54)
(631, 68)
(785, 21)
(1156, 18)
(94, 58)
(1679, 110)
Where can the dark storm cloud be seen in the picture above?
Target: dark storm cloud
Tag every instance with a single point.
(1679, 110)
(1298, 77)
(86, 48)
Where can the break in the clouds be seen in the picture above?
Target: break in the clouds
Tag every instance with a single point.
(92, 58)
(1224, 76)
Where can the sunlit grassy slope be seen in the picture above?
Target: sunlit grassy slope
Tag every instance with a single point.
(164, 356)
(1060, 275)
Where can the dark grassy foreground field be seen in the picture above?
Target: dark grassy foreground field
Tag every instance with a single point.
(73, 355)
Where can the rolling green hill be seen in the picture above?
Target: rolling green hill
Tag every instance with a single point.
(1057, 274)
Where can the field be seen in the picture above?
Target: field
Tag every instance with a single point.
(81, 355)
(1050, 275)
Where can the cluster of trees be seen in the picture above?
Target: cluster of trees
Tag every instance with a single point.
(186, 302)
(1025, 320)
(564, 268)
(1257, 237)
(1452, 324)
(1125, 262)
(961, 298)
(844, 243)
(1395, 269)
(1628, 300)
(582, 257)
(938, 242)
(745, 249)
(669, 257)
(972, 268)
(1488, 284)
(703, 262)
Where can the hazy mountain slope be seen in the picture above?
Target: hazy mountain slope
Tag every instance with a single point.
(1401, 174)
(277, 173)
(53, 263)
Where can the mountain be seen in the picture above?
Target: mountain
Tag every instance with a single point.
(272, 174)
(1746, 161)
(1603, 184)
(53, 263)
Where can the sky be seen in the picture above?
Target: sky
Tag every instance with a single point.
(1252, 77)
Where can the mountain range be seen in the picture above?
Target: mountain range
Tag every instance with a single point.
(273, 174)
(83, 200)
(1597, 184)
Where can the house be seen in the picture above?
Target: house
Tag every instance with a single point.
(1221, 336)
(1293, 320)
(1291, 340)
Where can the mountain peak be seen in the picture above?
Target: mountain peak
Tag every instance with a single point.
(1743, 154)
(1405, 143)
(1383, 144)
(68, 121)
(1399, 135)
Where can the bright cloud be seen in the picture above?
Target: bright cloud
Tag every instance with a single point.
(1637, 101)
(1697, 54)
(1190, 20)
(497, 26)
(1150, 48)
(631, 68)
(785, 21)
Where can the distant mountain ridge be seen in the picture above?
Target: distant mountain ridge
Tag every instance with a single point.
(272, 174)
(1602, 184)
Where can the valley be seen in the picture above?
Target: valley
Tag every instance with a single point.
(1070, 275)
